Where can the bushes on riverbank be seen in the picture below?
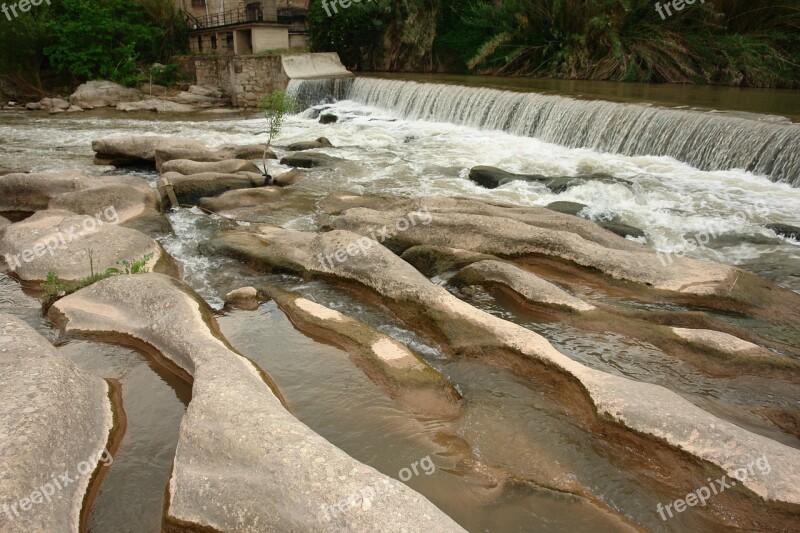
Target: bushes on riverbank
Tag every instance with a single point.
(726, 42)
(85, 39)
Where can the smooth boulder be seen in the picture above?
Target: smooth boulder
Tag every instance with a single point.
(321, 142)
(309, 160)
(102, 93)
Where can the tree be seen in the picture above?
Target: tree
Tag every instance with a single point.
(102, 39)
(276, 105)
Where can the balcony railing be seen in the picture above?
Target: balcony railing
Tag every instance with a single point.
(241, 16)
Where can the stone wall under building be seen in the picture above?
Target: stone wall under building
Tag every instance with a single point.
(246, 79)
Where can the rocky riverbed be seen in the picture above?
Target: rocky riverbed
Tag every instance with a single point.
(325, 328)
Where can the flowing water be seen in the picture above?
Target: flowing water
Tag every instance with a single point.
(691, 172)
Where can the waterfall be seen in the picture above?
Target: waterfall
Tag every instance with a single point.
(323, 91)
(706, 140)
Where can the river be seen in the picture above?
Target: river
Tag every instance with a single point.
(407, 139)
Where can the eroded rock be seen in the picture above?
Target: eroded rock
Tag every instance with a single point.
(664, 417)
(309, 160)
(190, 189)
(139, 150)
(243, 462)
(55, 419)
(720, 342)
(227, 166)
(527, 285)
(243, 298)
(321, 142)
(102, 93)
(401, 372)
(73, 245)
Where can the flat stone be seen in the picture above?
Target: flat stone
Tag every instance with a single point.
(138, 150)
(54, 418)
(527, 285)
(243, 462)
(227, 166)
(240, 198)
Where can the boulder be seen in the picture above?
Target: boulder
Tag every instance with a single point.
(568, 208)
(621, 229)
(403, 374)
(328, 118)
(34, 192)
(227, 166)
(48, 104)
(139, 150)
(72, 245)
(212, 155)
(190, 189)
(243, 462)
(55, 419)
(244, 298)
(249, 151)
(322, 142)
(102, 93)
(608, 400)
(155, 105)
(309, 160)
(240, 198)
(528, 286)
(288, 178)
(492, 178)
(785, 230)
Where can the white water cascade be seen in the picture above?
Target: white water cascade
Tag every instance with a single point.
(706, 140)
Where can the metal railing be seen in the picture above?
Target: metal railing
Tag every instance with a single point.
(241, 16)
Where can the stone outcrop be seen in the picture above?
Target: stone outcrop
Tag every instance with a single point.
(66, 243)
(134, 202)
(48, 104)
(102, 93)
(321, 142)
(402, 373)
(55, 419)
(243, 462)
(665, 417)
(309, 160)
(528, 286)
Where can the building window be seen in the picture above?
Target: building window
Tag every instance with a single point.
(199, 43)
(213, 42)
(198, 3)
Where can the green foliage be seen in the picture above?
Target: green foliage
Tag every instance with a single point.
(53, 288)
(732, 42)
(276, 105)
(22, 43)
(102, 39)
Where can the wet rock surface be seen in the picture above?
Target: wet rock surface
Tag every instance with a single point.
(322, 142)
(309, 160)
(40, 439)
(243, 462)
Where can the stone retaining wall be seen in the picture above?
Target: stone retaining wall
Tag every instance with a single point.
(245, 78)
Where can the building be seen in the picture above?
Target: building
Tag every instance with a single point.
(244, 27)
